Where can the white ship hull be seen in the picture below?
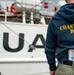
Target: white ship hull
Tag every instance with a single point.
(22, 61)
(25, 68)
(22, 42)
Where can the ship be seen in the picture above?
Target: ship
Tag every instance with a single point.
(23, 28)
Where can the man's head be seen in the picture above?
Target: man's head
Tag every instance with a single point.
(69, 1)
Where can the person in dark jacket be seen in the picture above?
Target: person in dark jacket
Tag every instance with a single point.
(60, 41)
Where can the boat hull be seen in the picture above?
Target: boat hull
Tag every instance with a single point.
(27, 58)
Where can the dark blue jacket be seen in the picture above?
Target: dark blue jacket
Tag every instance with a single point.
(60, 35)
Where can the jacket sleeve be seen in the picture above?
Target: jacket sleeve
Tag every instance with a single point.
(51, 46)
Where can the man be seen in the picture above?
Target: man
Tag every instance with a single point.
(60, 41)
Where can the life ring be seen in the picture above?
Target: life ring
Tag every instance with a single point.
(12, 9)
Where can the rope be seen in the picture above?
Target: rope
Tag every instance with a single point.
(13, 31)
(17, 18)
